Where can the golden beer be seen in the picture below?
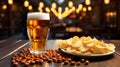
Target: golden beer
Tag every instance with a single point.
(37, 28)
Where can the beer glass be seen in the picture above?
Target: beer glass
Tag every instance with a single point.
(37, 29)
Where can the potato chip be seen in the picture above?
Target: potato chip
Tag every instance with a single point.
(90, 45)
(69, 49)
(98, 49)
(62, 43)
(77, 44)
(82, 49)
(76, 38)
(69, 41)
(85, 45)
(111, 46)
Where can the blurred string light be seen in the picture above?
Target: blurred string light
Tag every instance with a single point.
(66, 8)
(60, 12)
(53, 9)
(4, 7)
(84, 9)
(65, 13)
(106, 1)
(89, 8)
(10, 2)
(41, 4)
(80, 6)
(26, 3)
(73, 8)
(47, 10)
(30, 7)
(111, 14)
(59, 9)
(40, 8)
(87, 2)
(54, 5)
(70, 4)
(54, 12)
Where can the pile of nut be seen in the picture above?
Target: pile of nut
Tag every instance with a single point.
(24, 57)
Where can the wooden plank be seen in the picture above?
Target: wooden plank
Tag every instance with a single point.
(10, 47)
(4, 43)
(113, 61)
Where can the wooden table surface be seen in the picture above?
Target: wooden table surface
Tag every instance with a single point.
(8, 47)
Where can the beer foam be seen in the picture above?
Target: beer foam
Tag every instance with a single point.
(38, 16)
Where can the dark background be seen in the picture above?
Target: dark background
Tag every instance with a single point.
(94, 23)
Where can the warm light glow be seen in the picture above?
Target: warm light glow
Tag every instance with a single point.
(73, 8)
(66, 12)
(47, 10)
(87, 2)
(77, 11)
(111, 14)
(30, 7)
(70, 4)
(89, 8)
(60, 9)
(54, 11)
(80, 6)
(114, 13)
(107, 14)
(66, 8)
(41, 4)
(26, 3)
(4, 7)
(84, 9)
(60, 12)
(54, 5)
(40, 9)
(106, 1)
(70, 11)
(10, 2)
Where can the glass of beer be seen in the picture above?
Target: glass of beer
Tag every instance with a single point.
(37, 29)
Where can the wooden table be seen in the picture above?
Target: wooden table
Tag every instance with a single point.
(8, 47)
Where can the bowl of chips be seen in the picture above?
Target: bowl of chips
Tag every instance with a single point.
(86, 46)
